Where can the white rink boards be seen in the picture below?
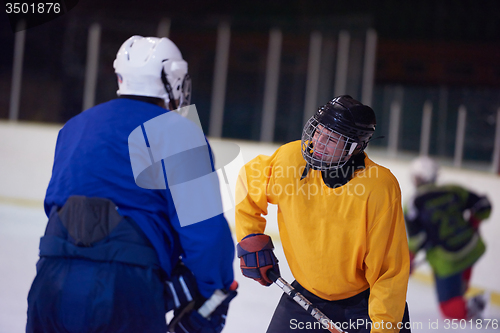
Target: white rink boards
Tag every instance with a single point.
(26, 157)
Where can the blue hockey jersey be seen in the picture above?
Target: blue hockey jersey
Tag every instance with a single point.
(92, 159)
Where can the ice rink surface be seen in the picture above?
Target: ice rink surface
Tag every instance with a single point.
(21, 227)
(26, 163)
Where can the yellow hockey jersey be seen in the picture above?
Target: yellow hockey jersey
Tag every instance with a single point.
(338, 242)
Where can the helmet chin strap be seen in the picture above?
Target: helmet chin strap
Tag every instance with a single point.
(306, 171)
(353, 146)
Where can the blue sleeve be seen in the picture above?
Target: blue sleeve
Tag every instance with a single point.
(208, 251)
(208, 248)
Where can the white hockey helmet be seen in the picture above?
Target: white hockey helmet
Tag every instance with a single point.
(153, 67)
(424, 170)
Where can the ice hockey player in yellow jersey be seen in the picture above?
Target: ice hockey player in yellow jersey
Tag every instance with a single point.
(341, 225)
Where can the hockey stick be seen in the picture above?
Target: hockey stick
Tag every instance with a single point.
(206, 309)
(304, 303)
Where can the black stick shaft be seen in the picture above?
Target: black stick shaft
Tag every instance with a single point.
(304, 302)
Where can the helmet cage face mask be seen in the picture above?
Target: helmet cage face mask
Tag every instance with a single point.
(324, 148)
(182, 90)
(185, 98)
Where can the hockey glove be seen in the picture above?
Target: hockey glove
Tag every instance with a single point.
(256, 258)
(206, 319)
(182, 290)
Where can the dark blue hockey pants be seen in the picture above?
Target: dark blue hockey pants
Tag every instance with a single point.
(350, 314)
(113, 285)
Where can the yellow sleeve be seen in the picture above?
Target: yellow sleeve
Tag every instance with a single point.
(387, 269)
(251, 195)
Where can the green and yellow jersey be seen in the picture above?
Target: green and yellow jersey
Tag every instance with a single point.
(444, 220)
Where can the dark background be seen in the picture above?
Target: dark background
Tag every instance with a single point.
(430, 49)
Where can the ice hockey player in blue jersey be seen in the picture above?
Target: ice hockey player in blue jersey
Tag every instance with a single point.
(116, 257)
(444, 221)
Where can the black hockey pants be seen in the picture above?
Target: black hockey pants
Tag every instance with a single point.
(351, 314)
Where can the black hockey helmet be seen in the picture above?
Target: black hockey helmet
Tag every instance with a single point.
(349, 117)
(342, 117)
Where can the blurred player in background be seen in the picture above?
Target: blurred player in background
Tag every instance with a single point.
(340, 220)
(109, 259)
(444, 220)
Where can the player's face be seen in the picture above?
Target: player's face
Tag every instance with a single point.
(328, 146)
